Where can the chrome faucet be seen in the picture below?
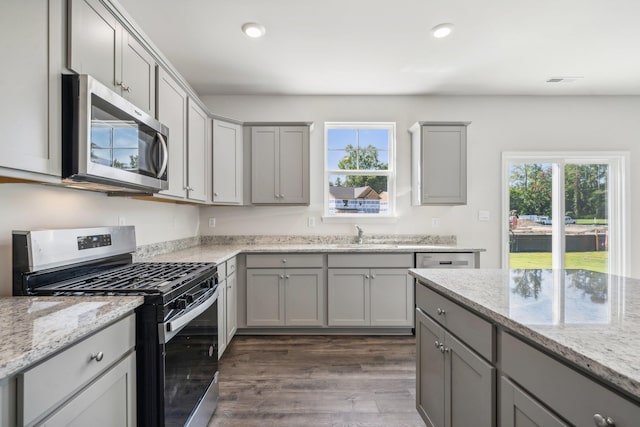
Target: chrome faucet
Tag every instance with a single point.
(360, 234)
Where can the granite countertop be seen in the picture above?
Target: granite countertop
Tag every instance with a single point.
(36, 327)
(591, 320)
(220, 252)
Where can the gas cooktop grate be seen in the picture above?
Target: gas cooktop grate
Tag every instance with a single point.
(138, 277)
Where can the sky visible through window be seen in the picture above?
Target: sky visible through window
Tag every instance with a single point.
(339, 140)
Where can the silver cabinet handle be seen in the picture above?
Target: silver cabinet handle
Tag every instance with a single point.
(373, 276)
(282, 276)
(284, 260)
(437, 344)
(602, 421)
(97, 356)
(366, 276)
(287, 276)
(440, 311)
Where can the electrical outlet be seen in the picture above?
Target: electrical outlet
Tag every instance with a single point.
(312, 221)
(212, 222)
(483, 215)
(435, 222)
(122, 220)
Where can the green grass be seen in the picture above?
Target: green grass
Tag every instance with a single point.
(594, 261)
(600, 221)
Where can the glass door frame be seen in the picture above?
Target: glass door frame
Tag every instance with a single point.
(618, 203)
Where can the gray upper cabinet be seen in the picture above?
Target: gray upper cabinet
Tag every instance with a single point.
(227, 163)
(439, 163)
(100, 46)
(30, 84)
(172, 112)
(280, 165)
(198, 150)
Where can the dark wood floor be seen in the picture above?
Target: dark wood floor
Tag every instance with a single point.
(318, 381)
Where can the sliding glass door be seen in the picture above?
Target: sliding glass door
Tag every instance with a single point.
(564, 211)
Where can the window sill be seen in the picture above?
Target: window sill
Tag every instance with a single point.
(359, 219)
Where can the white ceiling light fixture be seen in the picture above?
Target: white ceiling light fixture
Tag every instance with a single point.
(253, 30)
(442, 30)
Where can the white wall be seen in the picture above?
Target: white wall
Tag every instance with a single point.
(498, 124)
(34, 206)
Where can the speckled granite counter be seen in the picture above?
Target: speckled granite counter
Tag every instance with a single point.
(36, 327)
(221, 253)
(591, 320)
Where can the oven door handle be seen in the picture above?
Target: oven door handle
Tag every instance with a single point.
(171, 328)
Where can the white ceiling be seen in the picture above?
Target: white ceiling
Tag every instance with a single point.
(384, 47)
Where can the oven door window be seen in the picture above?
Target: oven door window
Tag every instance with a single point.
(191, 362)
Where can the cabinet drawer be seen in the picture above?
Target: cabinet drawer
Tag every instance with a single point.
(473, 330)
(49, 383)
(370, 260)
(284, 260)
(231, 266)
(572, 395)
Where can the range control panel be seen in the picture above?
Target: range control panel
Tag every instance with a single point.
(95, 241)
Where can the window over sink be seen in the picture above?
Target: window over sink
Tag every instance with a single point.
(359, 170)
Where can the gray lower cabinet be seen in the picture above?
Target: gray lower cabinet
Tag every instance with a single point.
(222, 314)
(227, 304)
(232, 300)
(439, 163)
(91, 383)
(455, 386)
(519, 409)
(285, 297)
(370, 297)
(568, 393)
(280, 165)
(31, 86)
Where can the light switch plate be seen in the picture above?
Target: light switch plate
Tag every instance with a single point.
(435, 222)
(312, 221)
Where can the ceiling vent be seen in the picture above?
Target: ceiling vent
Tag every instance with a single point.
(566, 79)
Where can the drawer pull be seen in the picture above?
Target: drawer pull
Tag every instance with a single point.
(284, 260)
(443, 349)
(437, 344)
(601, 421)
(440, 312)
(100, 355)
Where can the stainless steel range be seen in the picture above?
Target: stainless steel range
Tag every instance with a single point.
(177, 326)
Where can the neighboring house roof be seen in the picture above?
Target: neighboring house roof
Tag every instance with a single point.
(350, 193)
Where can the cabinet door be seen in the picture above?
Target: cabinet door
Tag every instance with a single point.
(172, 111)
(293, 165)
(232, 306)
(304, 297)
(138, 74)
(265, 297)
(348, 292)
(444, 165)
(469, 387)
(227, 162)
(197, 152)
(95, 42)
(264, 160)
(430, 371)
(222, 317)
(109, 401)
(391, 297)
(518, 409)
(30, 85)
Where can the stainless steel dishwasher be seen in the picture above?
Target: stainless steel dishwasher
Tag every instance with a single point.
(448, 260)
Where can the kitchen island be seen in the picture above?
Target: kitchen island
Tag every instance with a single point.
(560, 346)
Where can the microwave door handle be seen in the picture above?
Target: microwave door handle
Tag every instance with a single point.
(165, 155)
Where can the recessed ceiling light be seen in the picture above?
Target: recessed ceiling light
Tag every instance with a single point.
(253, 30)
(442, 30)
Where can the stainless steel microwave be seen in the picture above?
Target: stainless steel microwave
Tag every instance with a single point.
(109, 144)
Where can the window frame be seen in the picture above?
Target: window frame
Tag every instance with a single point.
(619, 206)
(390, 173)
